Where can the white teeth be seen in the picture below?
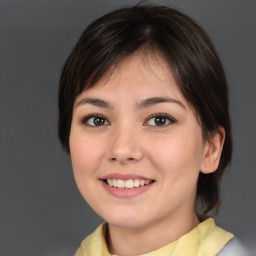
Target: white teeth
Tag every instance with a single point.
(110, 182)
(136, 183)
(117, 183)
(129, 184)
(120, 183)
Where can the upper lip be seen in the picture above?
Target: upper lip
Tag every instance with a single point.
(124, 177)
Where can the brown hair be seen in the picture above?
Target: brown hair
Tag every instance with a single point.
(187, 50)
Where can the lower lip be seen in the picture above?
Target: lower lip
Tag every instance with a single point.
(126, 192)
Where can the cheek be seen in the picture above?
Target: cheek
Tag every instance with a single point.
(178, 155)
(178, 161)
(85, 155)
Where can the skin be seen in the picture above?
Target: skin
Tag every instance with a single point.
(130, 142)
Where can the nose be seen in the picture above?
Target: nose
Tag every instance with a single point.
(125, 147)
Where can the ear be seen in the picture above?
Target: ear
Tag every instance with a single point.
(212, 151)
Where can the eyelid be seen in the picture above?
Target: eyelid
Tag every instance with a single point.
(85, 119)
(171, 120)
(168, 117)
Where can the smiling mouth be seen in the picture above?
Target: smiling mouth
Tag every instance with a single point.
(127, 184)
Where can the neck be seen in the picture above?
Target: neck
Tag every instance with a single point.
(136, 241)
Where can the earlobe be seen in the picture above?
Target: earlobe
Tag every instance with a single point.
(212, 151)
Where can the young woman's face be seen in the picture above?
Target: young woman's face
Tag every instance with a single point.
(136, 146)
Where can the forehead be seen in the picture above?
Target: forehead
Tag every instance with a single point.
(140, 74)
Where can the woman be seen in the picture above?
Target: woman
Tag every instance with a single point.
(144, 114)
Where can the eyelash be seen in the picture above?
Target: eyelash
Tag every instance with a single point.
(170, 120)
(165, 117)
(93, 116)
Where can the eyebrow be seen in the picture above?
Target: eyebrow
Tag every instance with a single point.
(156, 100)
(142, 104)
(95, 102)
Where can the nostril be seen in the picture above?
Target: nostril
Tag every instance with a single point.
(122, 160)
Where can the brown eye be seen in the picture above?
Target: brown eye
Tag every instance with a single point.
(160, 120)
(95, 120)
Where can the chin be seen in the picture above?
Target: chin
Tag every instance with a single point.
(127, 220)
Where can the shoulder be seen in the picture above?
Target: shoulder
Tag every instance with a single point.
(233, 248)
(80, 251)
(95, 243)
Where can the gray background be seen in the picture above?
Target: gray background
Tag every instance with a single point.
(41, 210)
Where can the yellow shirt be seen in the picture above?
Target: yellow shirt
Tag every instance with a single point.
(204, 240)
